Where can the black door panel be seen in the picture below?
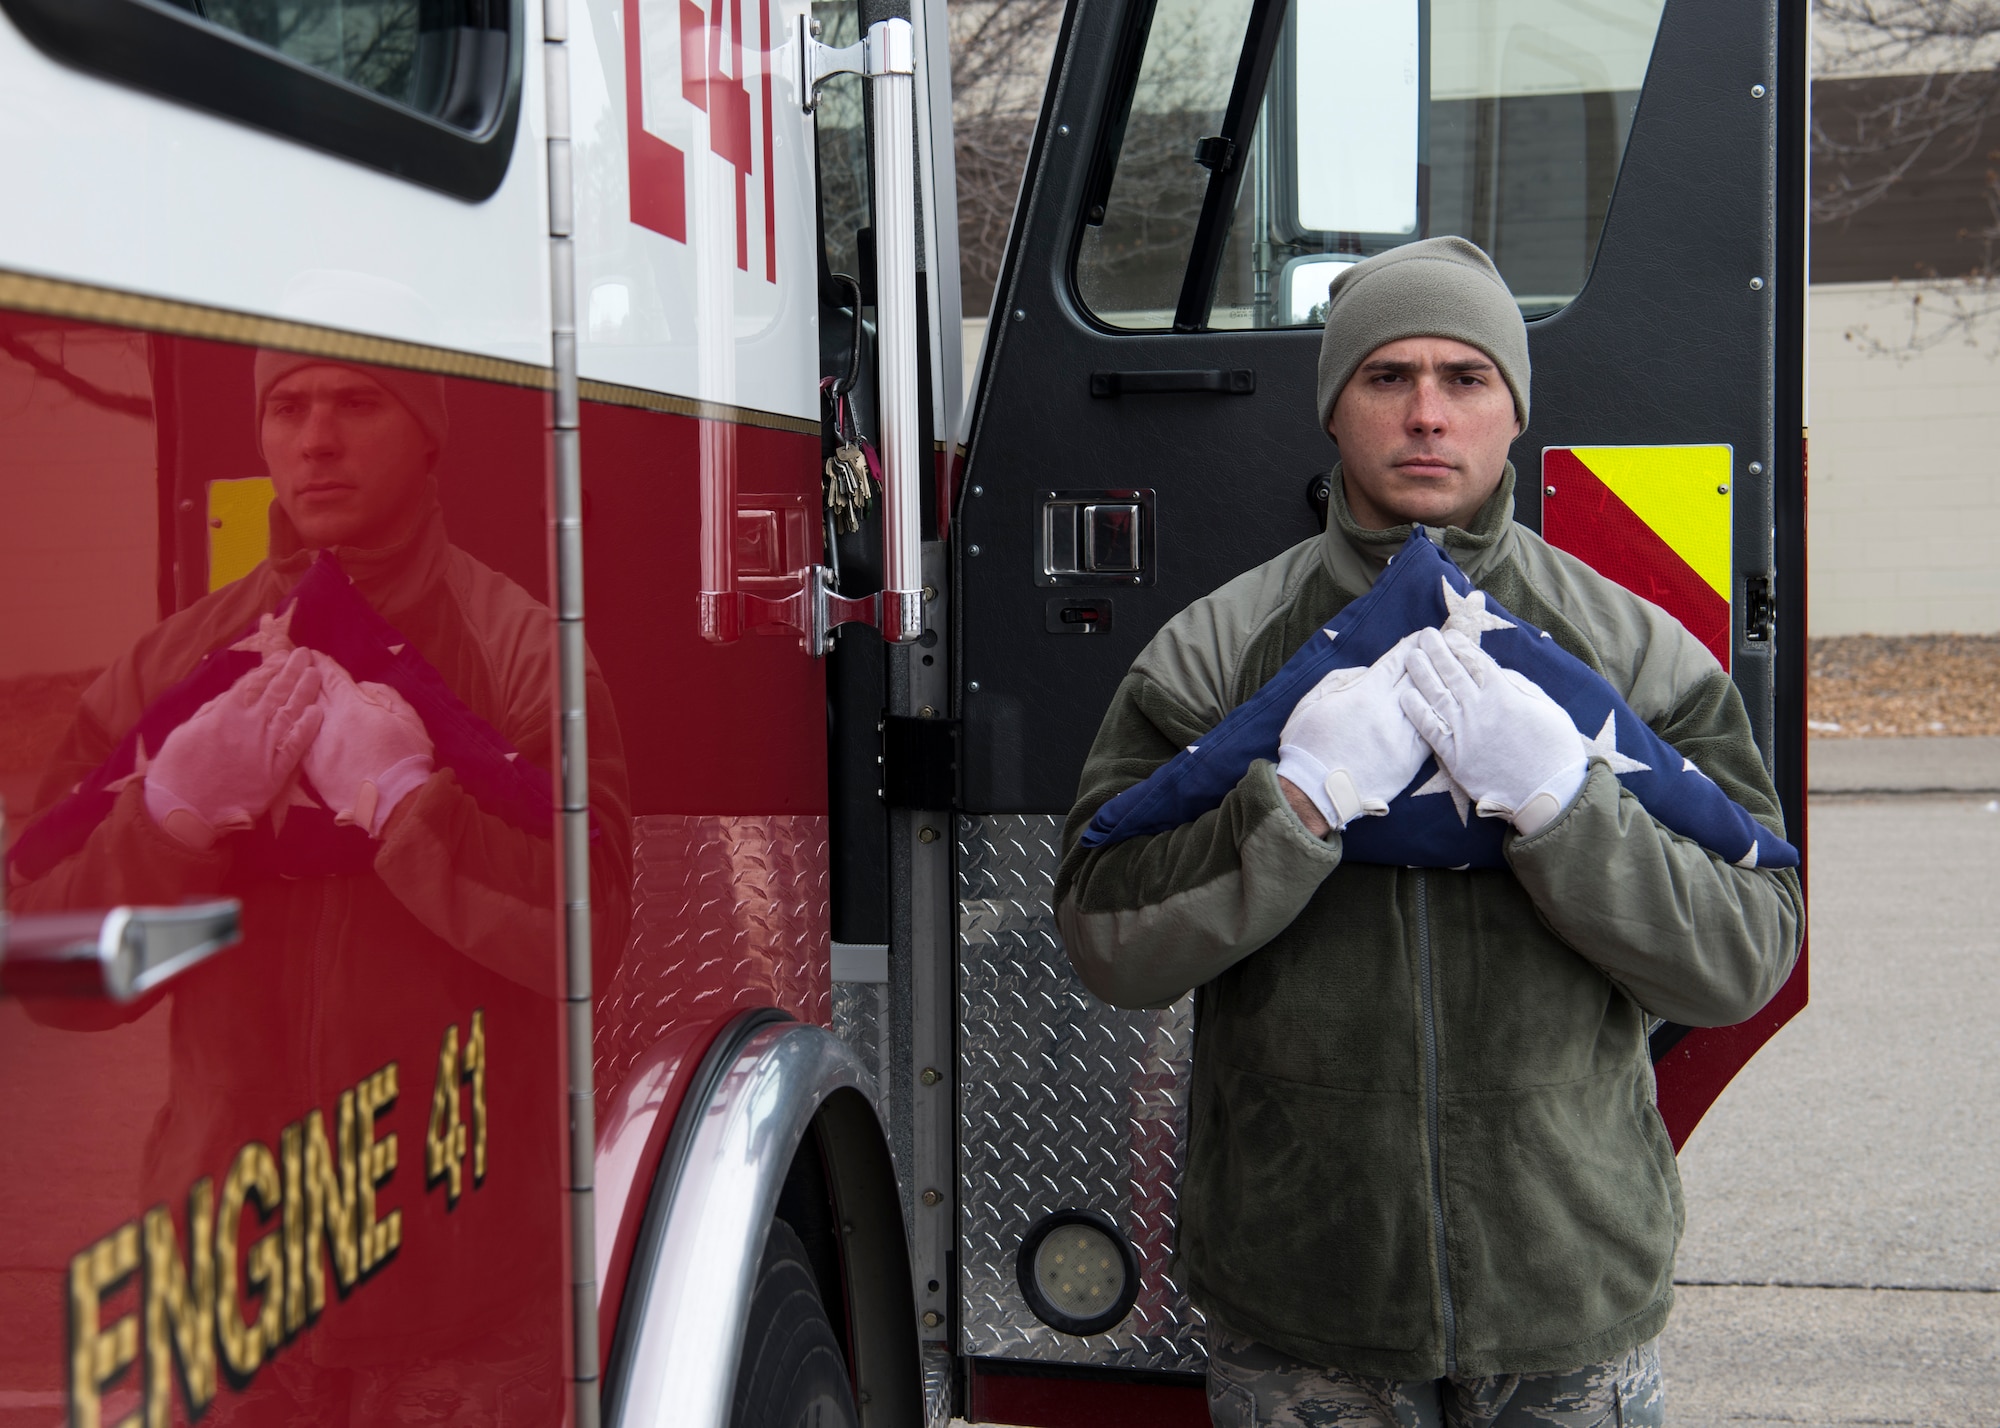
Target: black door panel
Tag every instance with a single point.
(1669, 342)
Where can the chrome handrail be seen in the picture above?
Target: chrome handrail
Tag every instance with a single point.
(888, 58)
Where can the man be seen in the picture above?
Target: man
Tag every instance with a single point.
(1425, 1181)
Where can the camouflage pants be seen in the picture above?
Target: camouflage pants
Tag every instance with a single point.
(1251, 1385)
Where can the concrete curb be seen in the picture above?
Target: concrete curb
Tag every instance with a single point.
(1943, 765)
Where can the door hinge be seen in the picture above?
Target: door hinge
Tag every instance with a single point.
(1760, 608)
(919, 762)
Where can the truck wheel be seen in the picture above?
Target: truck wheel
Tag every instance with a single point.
(792, 1374)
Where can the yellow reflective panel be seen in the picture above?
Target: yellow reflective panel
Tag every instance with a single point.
(239, 528)
(1681, 492)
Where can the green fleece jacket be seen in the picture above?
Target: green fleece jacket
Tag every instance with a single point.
(1421, 1137)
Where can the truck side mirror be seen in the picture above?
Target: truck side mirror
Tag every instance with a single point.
(1353, 112)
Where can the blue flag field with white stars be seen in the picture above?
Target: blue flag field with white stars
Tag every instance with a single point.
(1431, 823)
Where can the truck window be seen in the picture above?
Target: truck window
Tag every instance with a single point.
(1135, 247)
(427, 90)
(437, 59)
(1501, 120)
(840, 131)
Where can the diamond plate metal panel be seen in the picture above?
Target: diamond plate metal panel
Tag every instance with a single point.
(728, 912)
(937, 1388)
(1063, 1102)
(860, 1020)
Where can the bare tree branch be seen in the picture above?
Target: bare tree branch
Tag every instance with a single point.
(1925, 123)
(1933, 72)
(1947, 311)
(1001, 51)
(1936, 71)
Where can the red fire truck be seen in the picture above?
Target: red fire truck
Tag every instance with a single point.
(492, 933)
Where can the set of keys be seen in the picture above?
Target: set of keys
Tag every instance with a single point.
(849, 487)
(850, 479)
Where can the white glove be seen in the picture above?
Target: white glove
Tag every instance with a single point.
(228, 763)
(372, 751)
(1348, 746)
(1496, 732)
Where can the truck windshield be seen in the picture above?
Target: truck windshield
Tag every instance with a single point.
(1503, 121)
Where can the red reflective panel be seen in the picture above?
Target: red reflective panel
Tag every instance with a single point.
(274, 628)
(1015, 1393)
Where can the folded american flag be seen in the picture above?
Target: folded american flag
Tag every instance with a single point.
(1430, 824)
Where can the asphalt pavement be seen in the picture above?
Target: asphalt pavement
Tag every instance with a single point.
(1842, 1258)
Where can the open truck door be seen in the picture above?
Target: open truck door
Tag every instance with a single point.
(1142, 431)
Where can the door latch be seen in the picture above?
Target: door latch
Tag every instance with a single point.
(1760, 609)
(1077, 614)
(1096, 538)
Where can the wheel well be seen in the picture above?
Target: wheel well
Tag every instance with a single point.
(849, 1212)
(806, 1204)
(766, 1086)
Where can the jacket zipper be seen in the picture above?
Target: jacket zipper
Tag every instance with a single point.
(1431, 1127)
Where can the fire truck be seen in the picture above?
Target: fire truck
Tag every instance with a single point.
(683, 1036)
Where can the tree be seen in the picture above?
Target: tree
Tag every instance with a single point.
(1926, 87)
(1938, 85)
(1001, 51)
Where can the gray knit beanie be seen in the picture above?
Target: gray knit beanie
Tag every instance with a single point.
(1440, 287)
(420, 392)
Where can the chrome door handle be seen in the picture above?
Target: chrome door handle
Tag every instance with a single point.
(120, 955)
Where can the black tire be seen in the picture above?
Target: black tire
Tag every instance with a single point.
(792, 1374)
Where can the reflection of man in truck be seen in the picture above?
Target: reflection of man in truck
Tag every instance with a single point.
(351, 455)
(1425, 1181)
(392, 879)
(349, 465)
(348, 458)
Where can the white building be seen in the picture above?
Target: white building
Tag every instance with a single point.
(1904, 488)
